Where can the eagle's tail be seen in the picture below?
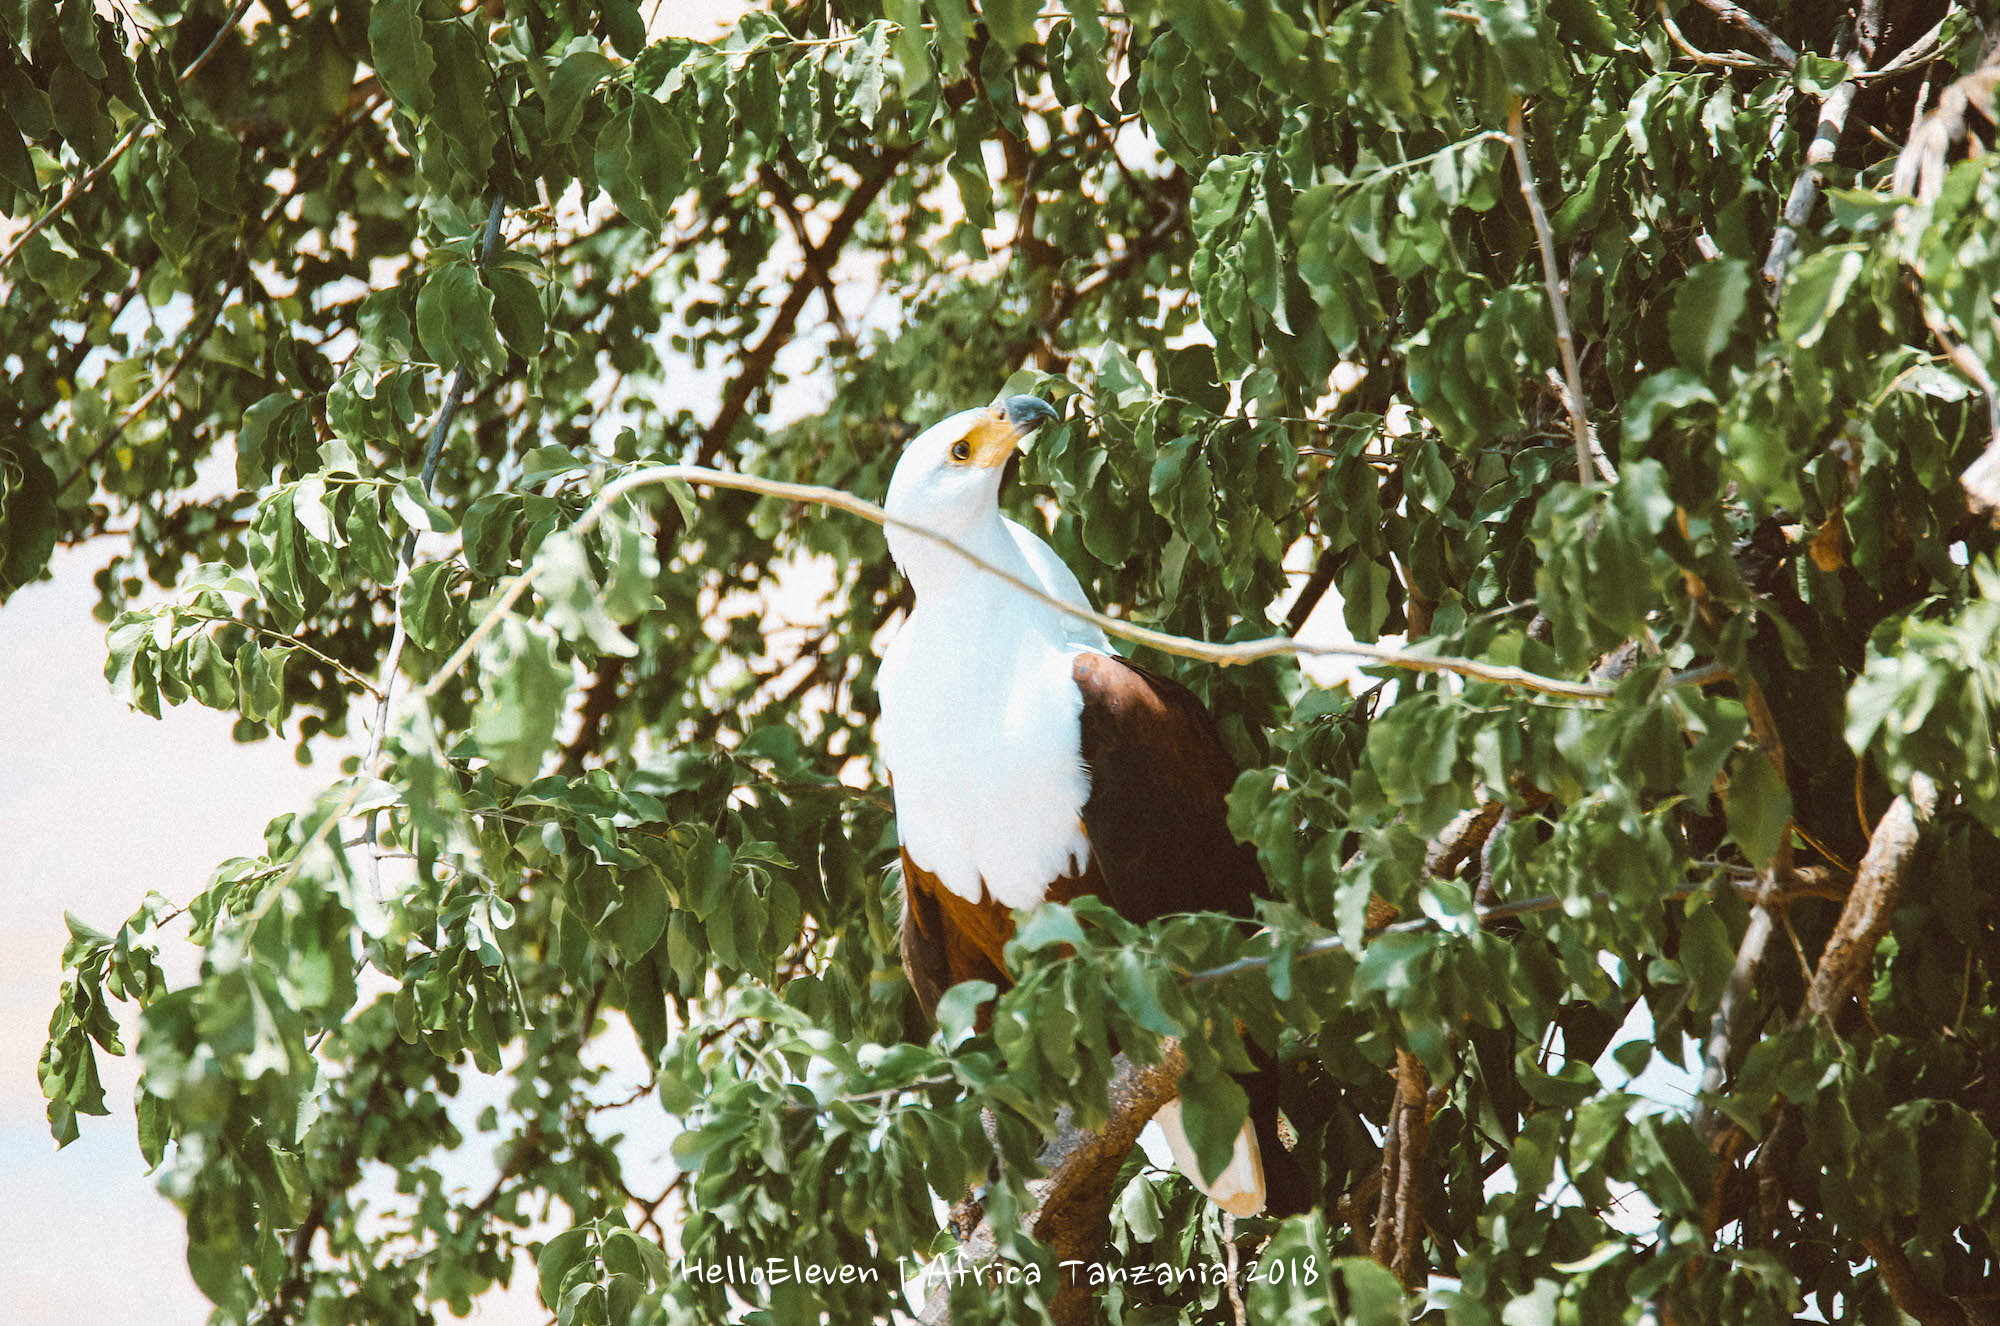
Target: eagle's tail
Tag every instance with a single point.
(1239, 1189)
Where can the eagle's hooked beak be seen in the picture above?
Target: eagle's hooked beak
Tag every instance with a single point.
(1028, 413)
(992, 439)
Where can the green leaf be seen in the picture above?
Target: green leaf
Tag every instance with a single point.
(461, 82)
(569, 91)
(26, 105)
(958, 1010)
(79, 34)
(1394, 963)
(401, 56)
(1212, 1111)
(16, 167)
(1012, 22)
(1707, 307)
(1050, 925)
(1817, 290)
(641, 917)
(1659, 397)
(155, 1127)
(517, 311)
(575, 605)
(522, 701)
(429, 613)
(1706, 953)
(621, 166)
(418, 510)
(558, 1256)
(634, 567)
(1759, 806)
(28, 515)
(455, 320)
(1816, 75)
(913, 52)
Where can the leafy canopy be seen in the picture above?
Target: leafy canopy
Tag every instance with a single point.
(248, 279)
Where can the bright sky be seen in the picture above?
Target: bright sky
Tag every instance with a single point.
(97, 805)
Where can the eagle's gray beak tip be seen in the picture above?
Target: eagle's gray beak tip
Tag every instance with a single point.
(1026, 412)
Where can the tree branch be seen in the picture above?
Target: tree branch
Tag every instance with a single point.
(1073, 1202)
(602, 695)
(1698, 55)
(1399, 1211)
(1871, 903)
(1226, 655)
(1462, 839)
(1814, 884)
(1725, 1028)
(1826, 141)
(1590, 461)
(1912, 1297)
(1311, 592)
(1730, 13)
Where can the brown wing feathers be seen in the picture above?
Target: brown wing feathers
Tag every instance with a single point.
(1156, 819)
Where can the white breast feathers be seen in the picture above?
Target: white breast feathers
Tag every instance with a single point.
(981, 731)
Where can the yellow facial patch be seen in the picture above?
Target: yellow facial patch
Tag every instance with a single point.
(991, 439)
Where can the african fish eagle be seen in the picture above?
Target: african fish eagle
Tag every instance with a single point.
(1028, 761)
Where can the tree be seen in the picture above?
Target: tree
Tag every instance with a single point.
(1673, 329)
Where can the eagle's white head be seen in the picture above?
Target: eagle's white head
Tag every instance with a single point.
(948, 479)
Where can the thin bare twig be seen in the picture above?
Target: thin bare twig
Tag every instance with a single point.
(1981, 479)
(1726, 1027)
(1225, 655)
(1919, 52)
(1812, 884)
(1573, 398)
(343, 669)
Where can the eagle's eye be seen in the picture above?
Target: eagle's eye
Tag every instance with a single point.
(960, 451)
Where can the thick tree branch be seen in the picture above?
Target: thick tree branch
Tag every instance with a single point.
(1462, 839)
(1310, 593)
(1912, 1297)
(1073, 1201)
(1399, 1212)
(1871, 903)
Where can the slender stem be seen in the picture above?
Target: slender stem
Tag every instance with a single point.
(1226, 655)
(1547, 902)
(1700, 56)
(357, 678)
